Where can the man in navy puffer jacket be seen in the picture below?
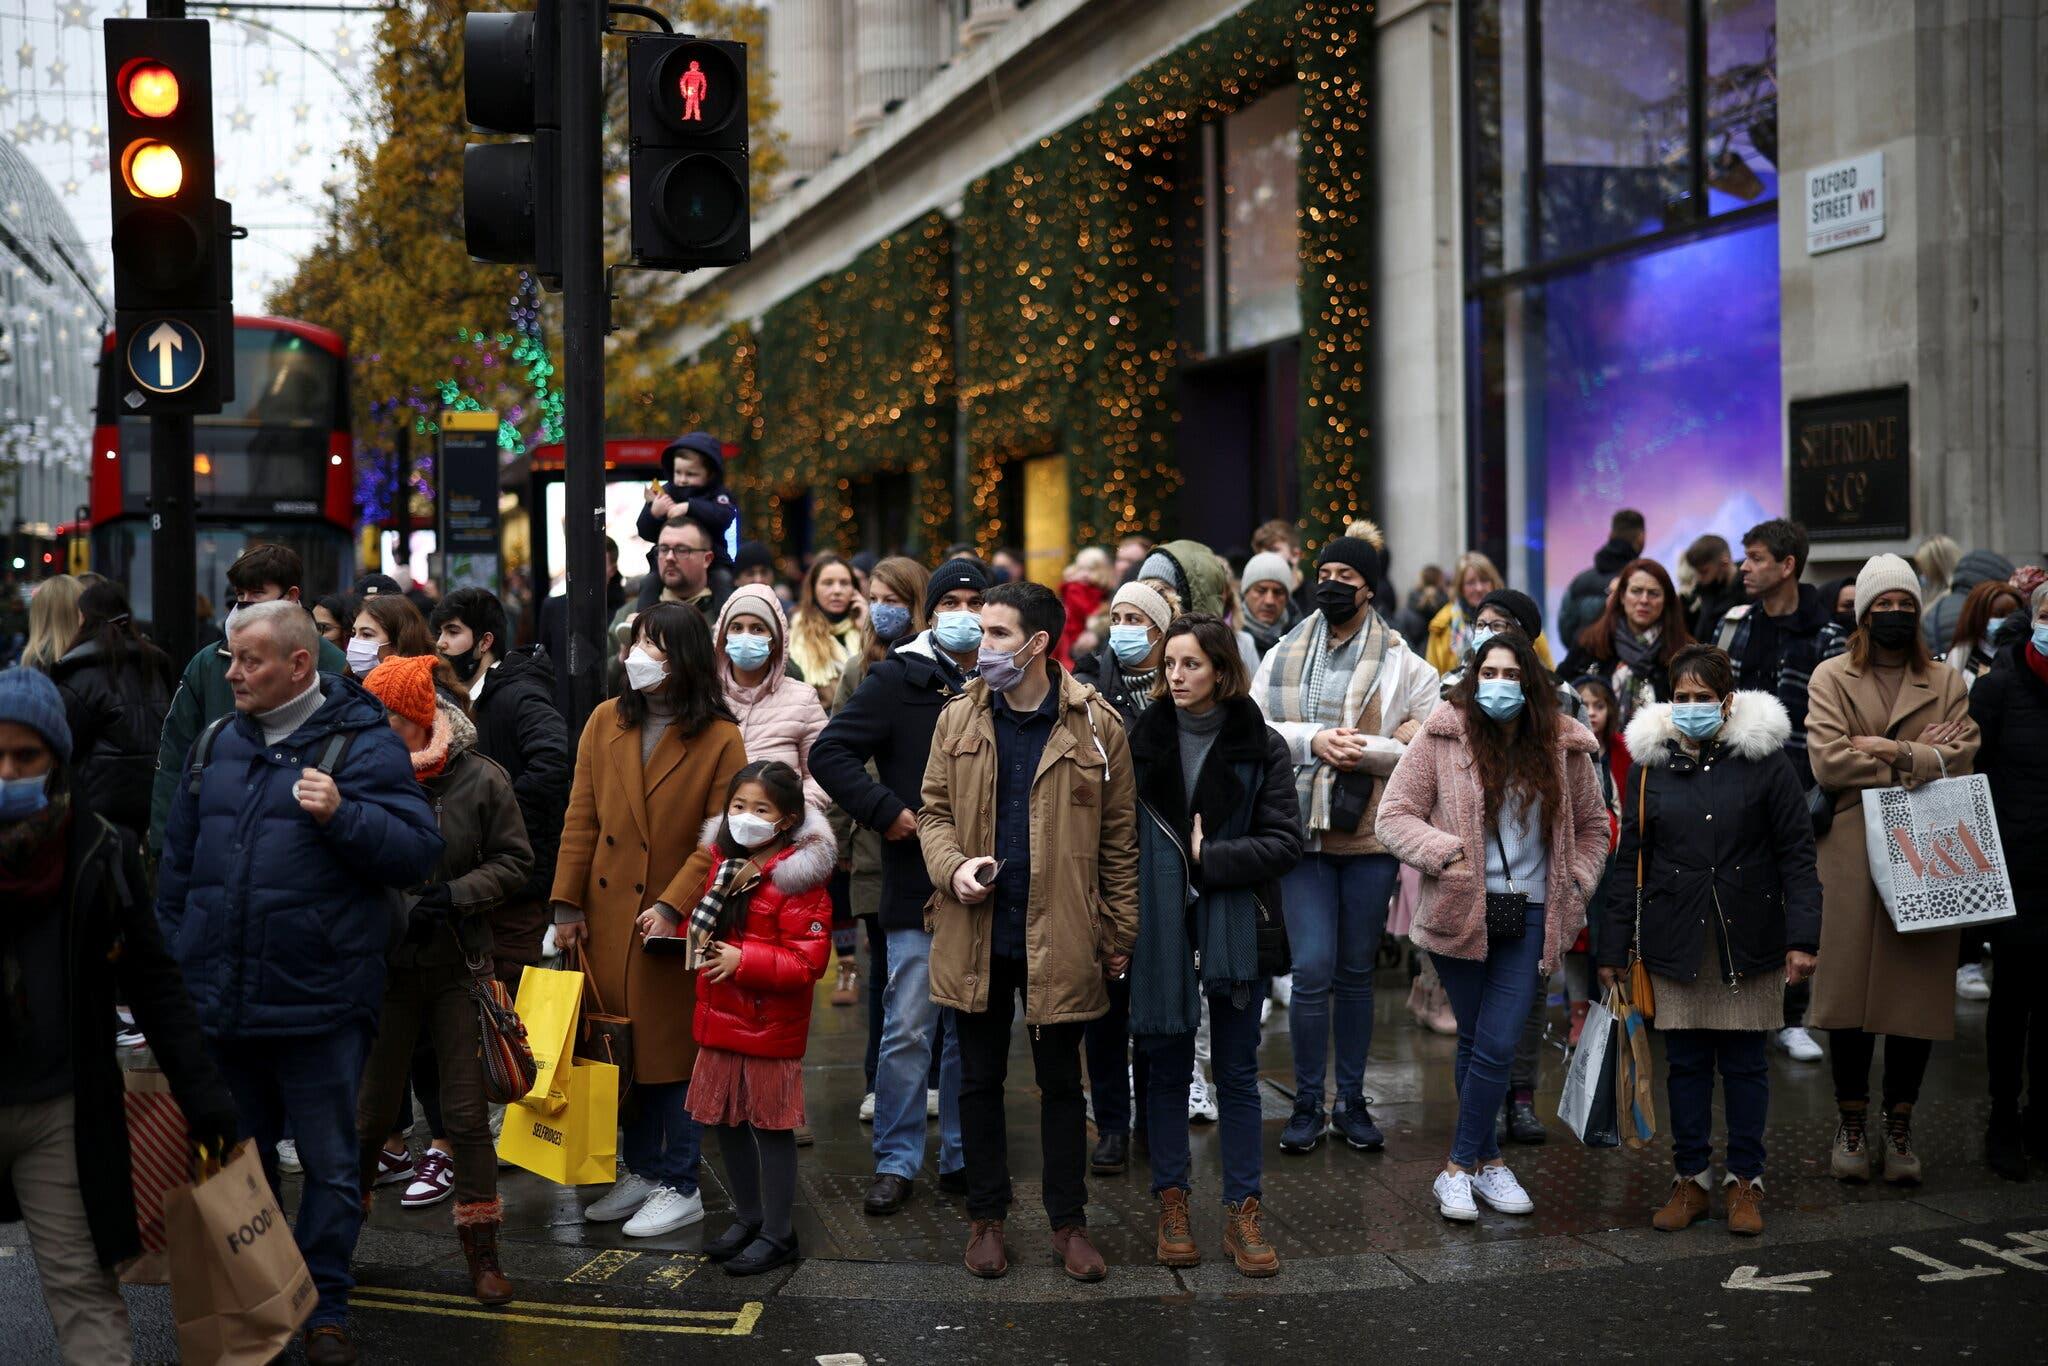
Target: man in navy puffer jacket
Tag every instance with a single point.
(272, 894)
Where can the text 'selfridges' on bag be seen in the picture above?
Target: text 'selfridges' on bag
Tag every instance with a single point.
(1587, 1106)
(239, 1287)
(1935, 854)
(566, 1129)
(159, 1161)
(1634, 1074)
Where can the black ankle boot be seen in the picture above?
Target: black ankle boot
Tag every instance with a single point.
(2005, 1147)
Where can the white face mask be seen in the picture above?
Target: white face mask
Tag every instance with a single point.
(644, 671)
(749, 831)
(362, 656)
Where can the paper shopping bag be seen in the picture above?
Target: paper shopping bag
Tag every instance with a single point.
(1587, 1107)
(239, 1287)
(548, 1004)
(1935, 854)
(159, 1160)
(1634, 1075)
(576, 1145)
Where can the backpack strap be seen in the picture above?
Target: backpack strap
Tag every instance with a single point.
(334, 752)
(202, 750)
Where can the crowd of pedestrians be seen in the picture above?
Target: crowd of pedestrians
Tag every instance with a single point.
(1141, 811)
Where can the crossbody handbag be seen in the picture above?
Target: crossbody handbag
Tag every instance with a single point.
(604, 1037)
(1507, 913)
(501, 1045)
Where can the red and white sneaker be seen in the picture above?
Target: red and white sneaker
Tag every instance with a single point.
(394, 1167)
(432, 1183)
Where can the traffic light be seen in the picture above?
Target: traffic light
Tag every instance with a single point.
(511, 201)
(173, 283)
(687, 121)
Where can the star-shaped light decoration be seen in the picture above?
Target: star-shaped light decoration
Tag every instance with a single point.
(25, 56)
(301, 111)
(70, 188)
(268, 75)
(63, 131)
(55, 71)
(98, 164)
(13, 208)
(241, 119)
(75, 15)
(6, 92)
(302, 151)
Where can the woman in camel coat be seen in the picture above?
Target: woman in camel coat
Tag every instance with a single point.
(651, 768)
(1882, 714)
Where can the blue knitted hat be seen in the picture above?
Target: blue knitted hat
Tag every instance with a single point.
(29, 698)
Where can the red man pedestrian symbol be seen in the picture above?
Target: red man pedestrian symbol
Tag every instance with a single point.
(694, 86)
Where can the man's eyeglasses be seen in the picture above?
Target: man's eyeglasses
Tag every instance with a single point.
(676, 552)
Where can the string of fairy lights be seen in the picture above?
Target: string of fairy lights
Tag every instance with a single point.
(1065, 258)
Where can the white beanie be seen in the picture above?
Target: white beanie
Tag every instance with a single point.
(1267, 567)
(1147, 600)
(1885, 574)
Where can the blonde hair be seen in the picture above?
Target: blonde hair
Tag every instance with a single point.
(1094, 561)
(1936, 559)
(1370, 533)
(1167, 591)
(1472, 561)
(52, 621)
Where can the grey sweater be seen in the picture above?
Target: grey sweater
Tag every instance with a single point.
(1197, 737)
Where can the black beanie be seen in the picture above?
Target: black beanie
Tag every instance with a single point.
(960, 573)
(1518, 605)
(754, 555)
(1356, 552)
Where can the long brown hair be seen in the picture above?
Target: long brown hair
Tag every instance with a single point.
(907, 579)
(810, 632)
(1518, 755)
(406, 629)
(1976, 613)
(1598, 639)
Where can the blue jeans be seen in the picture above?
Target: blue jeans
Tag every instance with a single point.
(1491, 1000)
(1234, 1053)
(1745, 1071)
(910, 1019)
(309, 1082)
(1336, 909)
(659, 1141)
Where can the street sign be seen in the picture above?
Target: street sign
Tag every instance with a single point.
(467, 506)
(165, 355)
(1845, 203)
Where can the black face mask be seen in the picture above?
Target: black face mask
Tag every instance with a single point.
(464, 664)
(1894, 630)
(1337, 601)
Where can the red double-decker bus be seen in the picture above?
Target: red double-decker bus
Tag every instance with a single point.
(276, 464)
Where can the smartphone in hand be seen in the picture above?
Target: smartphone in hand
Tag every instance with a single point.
(987, 874)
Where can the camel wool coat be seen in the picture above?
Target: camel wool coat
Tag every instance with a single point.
(628, 840)
(1871, 977)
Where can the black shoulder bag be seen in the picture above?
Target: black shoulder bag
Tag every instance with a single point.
(1507, 913)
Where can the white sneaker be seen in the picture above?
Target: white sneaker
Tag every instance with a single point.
(1497, 1187)
(1283, 990)
(1454, 1197)
(288, 1156)
(627, 1194)
(1265, 1011)
(1970, 983)
(667, 1210)
(867, 1108)
(1800, 1044)
(931, 1104)
(1201, 1103)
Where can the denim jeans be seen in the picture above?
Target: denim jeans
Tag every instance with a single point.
(1062, 1113)
(659, 1141)
(1491, 1000)
(309, 1081)
(1234, 1052)
(910, 1020)
(1745, 1070)
(1336, 907)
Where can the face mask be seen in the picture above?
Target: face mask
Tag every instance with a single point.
(464, 664)
(1992, 626)
(890, 620)
(21, 798)
(747, 652)
(2041, 639)
(1482, 634)
(1000, 669)
(748, 830)
(1894, 630)
(362, 656)
(644, 671)
(1696, 720)
(958, 632)
(1130, 644)
(1337, 601)
(1501, 698)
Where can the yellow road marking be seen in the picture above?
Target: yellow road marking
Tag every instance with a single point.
(602, 1267)
(736, 1323)
(680, 1268)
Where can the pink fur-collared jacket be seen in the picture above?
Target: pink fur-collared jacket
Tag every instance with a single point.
(1433, 808)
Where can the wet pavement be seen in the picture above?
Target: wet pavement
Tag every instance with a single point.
(1957, 1266)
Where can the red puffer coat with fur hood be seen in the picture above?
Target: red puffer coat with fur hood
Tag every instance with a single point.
(764, 1009)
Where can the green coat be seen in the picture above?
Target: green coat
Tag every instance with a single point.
(203, 696)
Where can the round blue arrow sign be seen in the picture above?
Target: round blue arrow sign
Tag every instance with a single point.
(165, 355)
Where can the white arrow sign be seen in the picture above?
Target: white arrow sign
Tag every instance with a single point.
(1746, 1278)
(164, 341)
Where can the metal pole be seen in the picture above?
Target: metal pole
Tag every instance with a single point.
(583, 309)
(173, 530)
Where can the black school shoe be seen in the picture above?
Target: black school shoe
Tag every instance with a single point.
(731, 1243)
(1112, 1155)
(764, 1254)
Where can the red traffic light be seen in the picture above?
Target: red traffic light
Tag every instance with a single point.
(149, 89)
(696, 87)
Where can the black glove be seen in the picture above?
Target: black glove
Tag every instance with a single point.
(435, 908)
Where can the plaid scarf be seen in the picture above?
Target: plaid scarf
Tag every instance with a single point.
(1297, 692)
(709, 917)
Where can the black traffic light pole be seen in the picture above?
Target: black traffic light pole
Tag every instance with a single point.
(583, 310)
(173, 528)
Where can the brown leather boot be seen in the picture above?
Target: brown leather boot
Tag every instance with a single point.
(1745, 1207)
(1176, 1246)
(1246, 1242)
(986, 1255)
(1850, 1160)
(1901, 1163)
(480, 1247)
(1078, 1257)
(1686, 1207)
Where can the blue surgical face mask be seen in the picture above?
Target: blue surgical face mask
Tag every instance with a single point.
(747, 652)
(2041, 639)
(1696, 720)
(1991, 627)
(1501, 698)
(1482, 634)
(890, 620)
(21, 798)
(1130, 644)
(958, 631)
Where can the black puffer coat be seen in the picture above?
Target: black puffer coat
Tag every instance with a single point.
(117, 720)
(518, 726)
(1101, 672)
(2010, 705)
(1729, 854)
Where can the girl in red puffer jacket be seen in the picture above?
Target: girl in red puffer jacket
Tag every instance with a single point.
(762, 932)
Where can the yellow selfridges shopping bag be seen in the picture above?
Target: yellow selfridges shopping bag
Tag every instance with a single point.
(576, 1145)
(548, 1005)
